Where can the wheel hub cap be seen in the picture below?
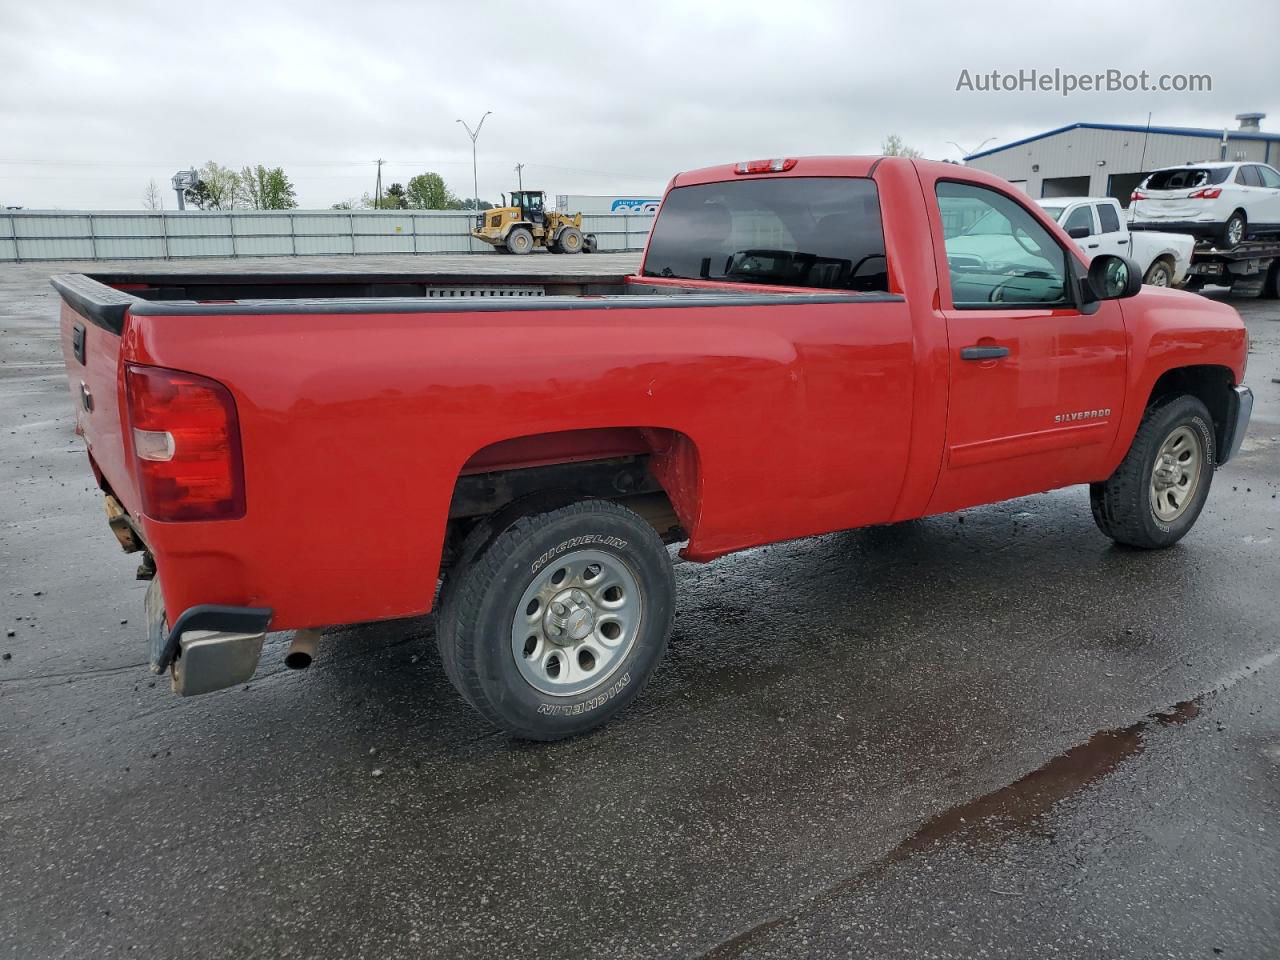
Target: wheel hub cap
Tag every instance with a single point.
(576, 621)
(1175, 475)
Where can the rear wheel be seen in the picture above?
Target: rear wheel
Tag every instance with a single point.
(519, 241)
(555, 619)
(1271, 289)
(570, 240)
(1234, 230)
(1159, 274)
(1155, 495)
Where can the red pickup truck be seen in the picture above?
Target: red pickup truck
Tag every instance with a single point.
(810, 345)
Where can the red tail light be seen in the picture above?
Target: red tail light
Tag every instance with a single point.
(777, 165)
(1208, 193)
(1137, 195)
(186, 444)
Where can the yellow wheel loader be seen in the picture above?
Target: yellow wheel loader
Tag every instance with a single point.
(526, 224)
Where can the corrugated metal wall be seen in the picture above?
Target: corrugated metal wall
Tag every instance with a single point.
(1102, 154)
(173, 235)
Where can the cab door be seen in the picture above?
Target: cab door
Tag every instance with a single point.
(1036, 384)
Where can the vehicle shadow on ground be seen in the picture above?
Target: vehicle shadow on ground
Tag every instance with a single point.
(844, 607)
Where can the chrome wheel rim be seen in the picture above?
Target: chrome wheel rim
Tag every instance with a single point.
(1159, 276)
(576, 622)
(1235, 231)
(1175, 476)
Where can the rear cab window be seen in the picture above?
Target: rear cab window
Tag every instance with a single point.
(822, 232)
(1108, 217)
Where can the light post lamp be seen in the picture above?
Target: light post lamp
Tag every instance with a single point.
(965, 153)
(474, 134)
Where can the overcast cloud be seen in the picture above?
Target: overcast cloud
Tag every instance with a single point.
(98, 97)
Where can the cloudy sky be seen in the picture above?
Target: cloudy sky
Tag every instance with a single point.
(96, 97)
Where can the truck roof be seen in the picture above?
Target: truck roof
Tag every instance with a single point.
(1067, 201)
(836, 166)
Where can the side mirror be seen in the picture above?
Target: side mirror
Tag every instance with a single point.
(1078, 233)
(1114, 278)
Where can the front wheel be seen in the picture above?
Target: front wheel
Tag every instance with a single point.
(555, 619)
(570, 240)
(1155, 495)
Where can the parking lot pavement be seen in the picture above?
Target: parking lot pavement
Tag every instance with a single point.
(992, 733)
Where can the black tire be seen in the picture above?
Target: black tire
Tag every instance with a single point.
(1159, 274)
(1122, 504)
(519, 241)
(476, 625)
(1271, 288)
(570, 240)
(1237, 221)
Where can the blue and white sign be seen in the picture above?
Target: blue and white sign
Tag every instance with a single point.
(646, 205)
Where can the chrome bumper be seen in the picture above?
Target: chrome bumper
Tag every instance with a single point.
(1239, 410)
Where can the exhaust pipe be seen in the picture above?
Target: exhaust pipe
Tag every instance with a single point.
(302, 650)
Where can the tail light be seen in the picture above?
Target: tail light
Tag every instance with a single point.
(1137, 195)
(777, 165)
(1208, 193)
(186, 444)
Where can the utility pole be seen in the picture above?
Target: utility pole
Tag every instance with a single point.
(377, 186)
(474, 134)
(520, 175)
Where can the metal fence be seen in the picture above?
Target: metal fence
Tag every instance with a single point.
(174, 235)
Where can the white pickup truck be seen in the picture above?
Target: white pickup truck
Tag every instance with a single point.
(1097, 225)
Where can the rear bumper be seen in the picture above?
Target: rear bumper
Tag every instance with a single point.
(210, 647)
(1239, 410)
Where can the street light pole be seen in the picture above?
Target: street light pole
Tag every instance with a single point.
(475, 176)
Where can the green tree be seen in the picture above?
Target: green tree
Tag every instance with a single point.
(394, 198)
(217, 189)
(427, 191)
(894, 147)
(263, 188)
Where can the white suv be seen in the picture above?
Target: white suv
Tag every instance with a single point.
(1223, 202)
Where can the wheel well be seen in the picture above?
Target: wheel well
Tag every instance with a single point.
(1210, 384)
(652, 470)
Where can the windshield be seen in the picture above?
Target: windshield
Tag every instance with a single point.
(792, 231)
(1185, 178)
(1055, 213)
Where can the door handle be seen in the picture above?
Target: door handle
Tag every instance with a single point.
(983, 353)
(1122, 242)
(1093, 246)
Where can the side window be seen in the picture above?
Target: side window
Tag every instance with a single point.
(997, 251)
(1108, 217)
(1269, 177)
(1248, 176)
(1080, 217)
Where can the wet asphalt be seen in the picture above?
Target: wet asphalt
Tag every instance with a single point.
(990, 734)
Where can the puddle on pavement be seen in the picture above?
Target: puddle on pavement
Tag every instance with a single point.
(1016, 806)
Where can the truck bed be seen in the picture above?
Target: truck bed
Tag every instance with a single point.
(105, 297)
